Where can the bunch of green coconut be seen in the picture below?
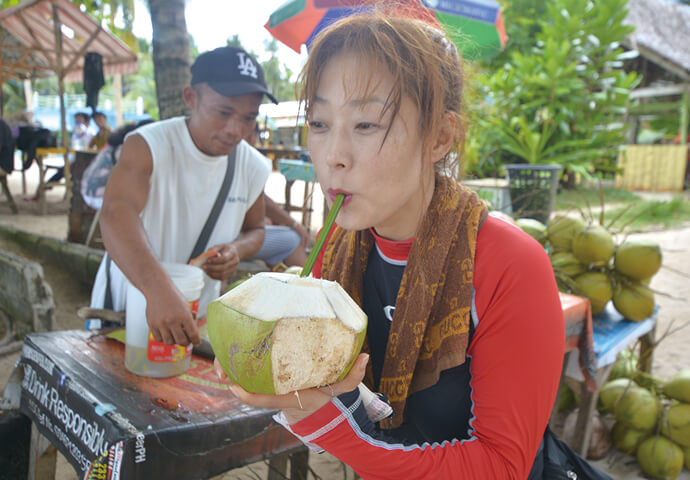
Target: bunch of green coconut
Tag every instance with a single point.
(652, 417)
(587, 262)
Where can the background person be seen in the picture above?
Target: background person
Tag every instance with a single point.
(81, 137)
(95, 177)
(79, 140)
(165, 183)
(465, 329)
(99, 140)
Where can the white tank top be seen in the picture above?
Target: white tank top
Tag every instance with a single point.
(183, 188)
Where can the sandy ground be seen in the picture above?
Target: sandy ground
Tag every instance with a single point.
(671, 355)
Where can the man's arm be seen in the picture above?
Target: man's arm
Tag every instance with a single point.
(246, 245)
(167, 312)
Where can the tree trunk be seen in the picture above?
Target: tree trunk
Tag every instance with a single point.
(171, 55)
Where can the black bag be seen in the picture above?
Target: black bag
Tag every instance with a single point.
(561, 462)
(93, 78)
(30, 138)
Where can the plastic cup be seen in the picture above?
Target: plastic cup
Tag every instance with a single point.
(143, 355)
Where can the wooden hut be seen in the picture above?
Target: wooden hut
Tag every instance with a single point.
(662, 37)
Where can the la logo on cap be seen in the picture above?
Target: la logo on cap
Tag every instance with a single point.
(246, 66)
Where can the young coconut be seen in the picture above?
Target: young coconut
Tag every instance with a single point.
(561, 229)
(675, 424)
(678, 386)
(593, 245)
(533, 228)
(634, 301)
(612, 391)
(638, 408)
(277, 332)
(567, 263)
(638, 259)
(597, 287)
(627, 439)
(660, 458)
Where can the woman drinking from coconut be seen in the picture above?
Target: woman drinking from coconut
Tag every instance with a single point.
(465, 329)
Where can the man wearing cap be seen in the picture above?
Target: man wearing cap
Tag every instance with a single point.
(163, 187)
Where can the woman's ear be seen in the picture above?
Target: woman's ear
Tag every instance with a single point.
(443, 139)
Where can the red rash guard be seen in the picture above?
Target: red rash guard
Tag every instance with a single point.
(516, 355)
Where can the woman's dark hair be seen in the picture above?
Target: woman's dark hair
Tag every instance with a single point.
(117, 138)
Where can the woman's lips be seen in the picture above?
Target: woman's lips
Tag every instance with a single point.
(333, 192)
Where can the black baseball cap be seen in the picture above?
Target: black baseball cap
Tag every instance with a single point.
(231, 72)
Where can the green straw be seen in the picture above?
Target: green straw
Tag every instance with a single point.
(321, 238)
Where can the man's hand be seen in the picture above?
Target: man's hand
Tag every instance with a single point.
(170, 318)
(299, 405)
(221, 266)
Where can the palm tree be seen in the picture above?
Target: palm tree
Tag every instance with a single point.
(171, 55)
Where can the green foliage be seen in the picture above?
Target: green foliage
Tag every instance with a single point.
(115, 15)
(9, 3)
(666, 125)
(623, 210)
(13, 97)
(562, 100)
(279, 82)
(641, 215)
(580, 197)
(141, 83)
(521, 19)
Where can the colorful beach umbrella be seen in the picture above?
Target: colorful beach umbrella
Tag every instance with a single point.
(476, 26)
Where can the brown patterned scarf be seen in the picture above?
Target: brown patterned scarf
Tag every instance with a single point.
(430, 327)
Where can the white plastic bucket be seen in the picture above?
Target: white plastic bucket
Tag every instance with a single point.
(143, 355)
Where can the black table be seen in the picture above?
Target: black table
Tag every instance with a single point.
(104, 419)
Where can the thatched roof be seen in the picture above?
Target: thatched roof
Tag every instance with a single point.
(16, 63)
(662, 33)
(32, 47)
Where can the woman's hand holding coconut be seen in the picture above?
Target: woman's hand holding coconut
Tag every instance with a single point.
(300, 404)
